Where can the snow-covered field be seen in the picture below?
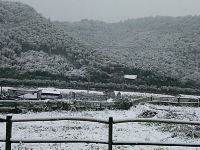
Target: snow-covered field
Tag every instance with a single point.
(66, 91)
(96, 131)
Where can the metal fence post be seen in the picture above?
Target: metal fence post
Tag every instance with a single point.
(8, 132)
(110, 133)
(151, 98)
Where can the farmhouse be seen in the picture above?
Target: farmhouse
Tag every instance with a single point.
(37, 94)
(21, 93)
(50, 94)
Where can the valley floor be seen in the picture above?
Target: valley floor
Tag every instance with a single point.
(94, 131)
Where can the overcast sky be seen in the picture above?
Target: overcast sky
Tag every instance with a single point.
(112, 10)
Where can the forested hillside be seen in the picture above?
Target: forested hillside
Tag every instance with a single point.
(165, 45)
(162, 51)
(31, 44)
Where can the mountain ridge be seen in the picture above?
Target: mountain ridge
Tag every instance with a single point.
(171, 42)
(24, 31)
(34, 48)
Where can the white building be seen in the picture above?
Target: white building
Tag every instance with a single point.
(41, 94)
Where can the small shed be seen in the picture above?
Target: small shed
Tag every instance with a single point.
(29, 96)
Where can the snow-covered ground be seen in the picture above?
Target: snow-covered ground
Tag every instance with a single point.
(96, 131)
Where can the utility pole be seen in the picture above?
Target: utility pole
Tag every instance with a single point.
(1, 47)
(88, 87)
(1, 88)
(197, 61)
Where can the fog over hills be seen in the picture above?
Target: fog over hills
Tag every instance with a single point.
(162, 51)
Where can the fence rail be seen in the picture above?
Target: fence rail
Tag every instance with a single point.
(157, 121)
(156, 144)
(61, 119)
(9, 121)
(58, 141)
(2, 120)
